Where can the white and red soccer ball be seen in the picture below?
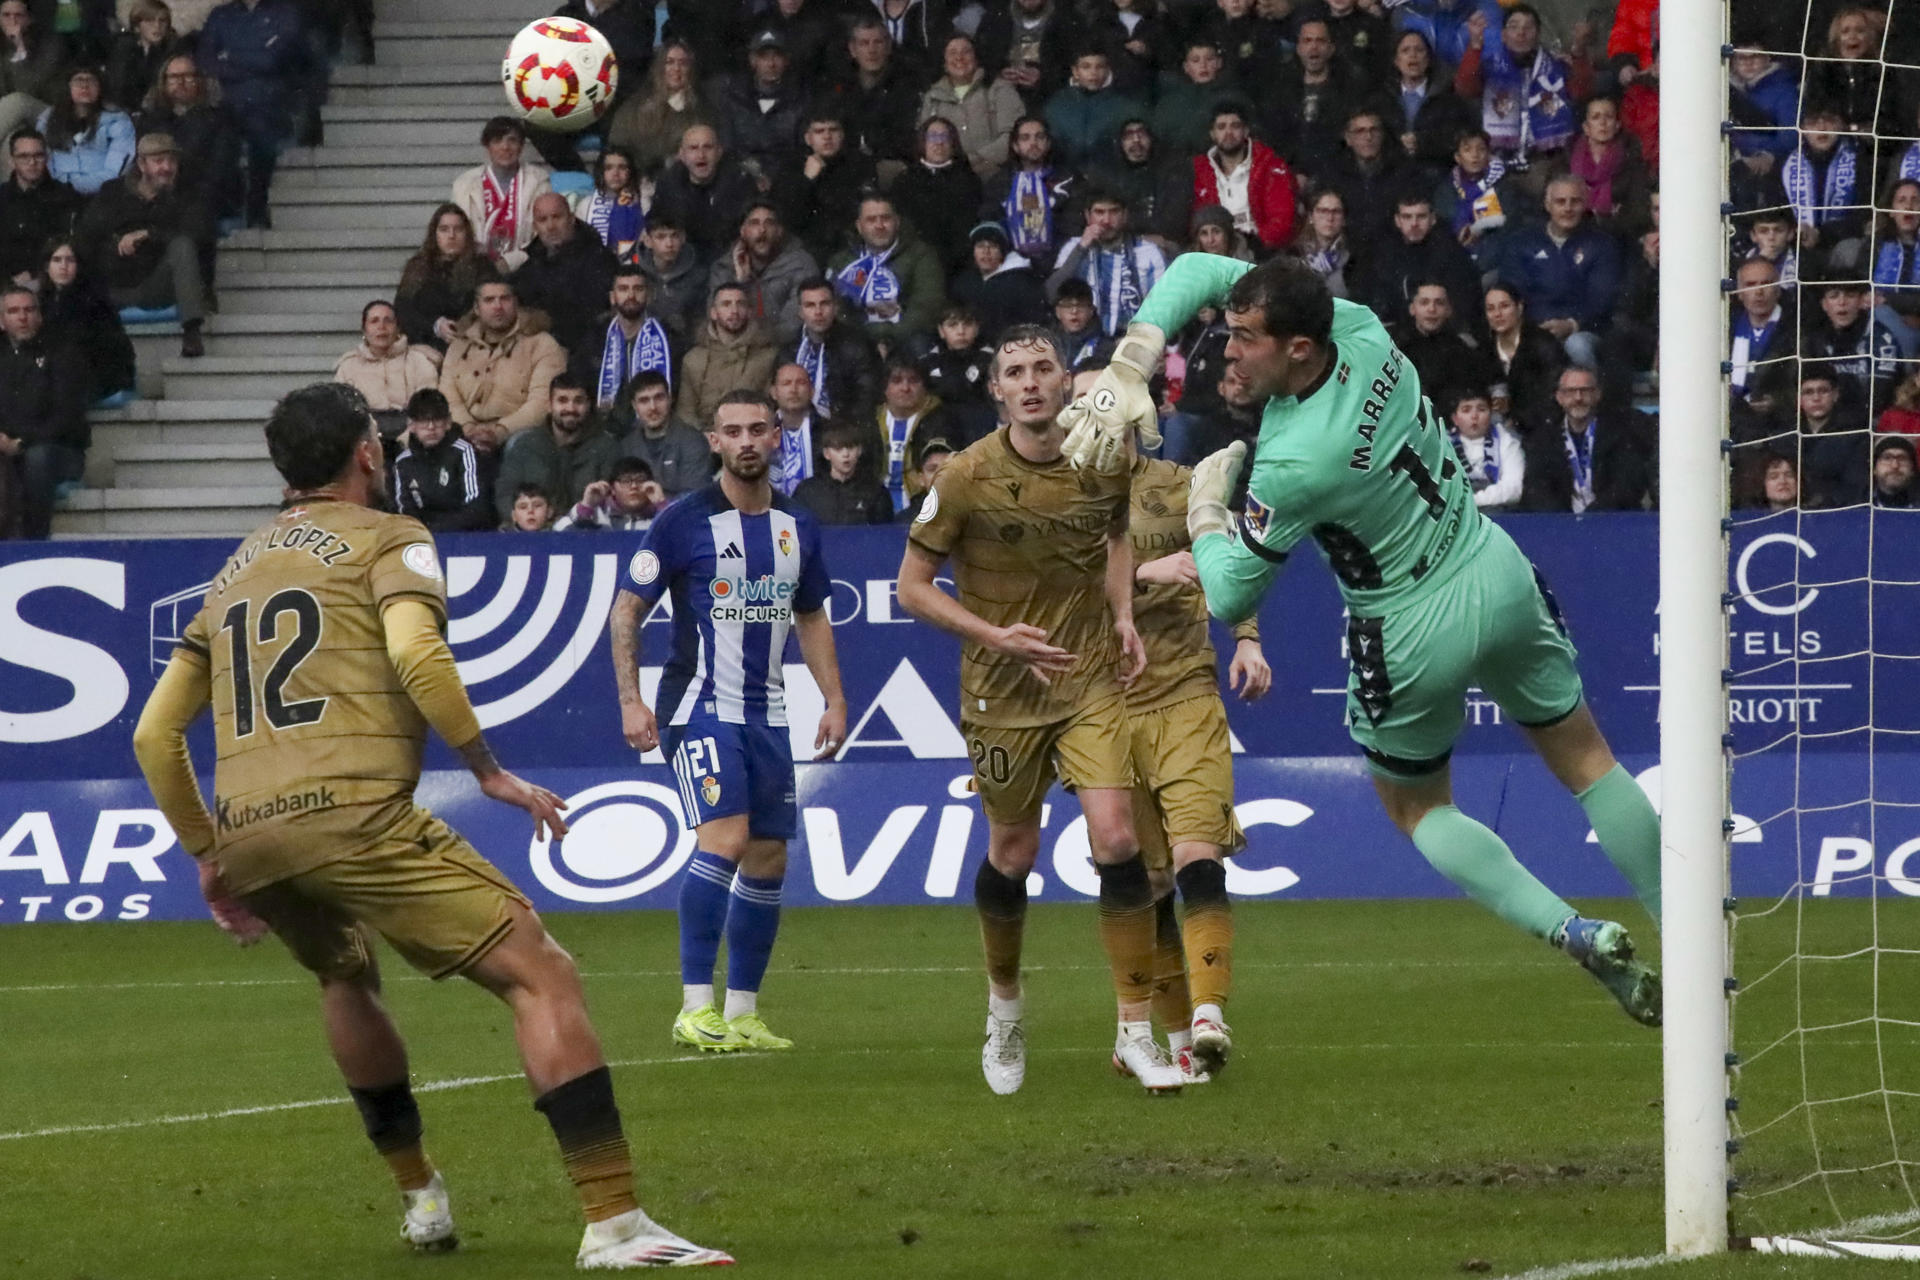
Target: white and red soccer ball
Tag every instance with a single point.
(559, 73)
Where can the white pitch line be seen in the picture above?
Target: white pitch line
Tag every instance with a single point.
(875, 971)
(303, 1104)
(1605, 1267)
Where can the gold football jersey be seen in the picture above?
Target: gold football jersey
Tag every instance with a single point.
(1028, 542)
(1170, 617)
(318, 747)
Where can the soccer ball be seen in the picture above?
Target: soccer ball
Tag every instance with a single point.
(559, 74)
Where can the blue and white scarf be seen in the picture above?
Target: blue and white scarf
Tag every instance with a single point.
(1029, 212)
(1475, 198)
(898, 432)
(868, 280)
(1910, 162)
(1896, 263)
(1525, 109)
(1119, 285)
(1487, 474)
(618, 220)
(1750, 345)
(620, 360)
(1580, 459)
(794, 462)
(812, 356)
(1836, 194)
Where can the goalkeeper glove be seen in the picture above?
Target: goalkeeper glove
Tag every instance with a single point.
(1208, 491)
(1101, 423)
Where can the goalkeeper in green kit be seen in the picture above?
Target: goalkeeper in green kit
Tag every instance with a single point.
(1439, 598)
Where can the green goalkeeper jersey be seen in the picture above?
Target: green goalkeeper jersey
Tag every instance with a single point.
(1357, 462)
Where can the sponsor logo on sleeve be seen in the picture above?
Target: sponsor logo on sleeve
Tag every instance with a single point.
(421, 559)
(1258, 516)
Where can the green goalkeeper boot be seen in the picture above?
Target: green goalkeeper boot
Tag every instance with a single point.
(1605, 950)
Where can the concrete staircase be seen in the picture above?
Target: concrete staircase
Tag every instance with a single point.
(188, 457)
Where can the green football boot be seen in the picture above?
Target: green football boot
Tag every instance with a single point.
(1605, 950)
(704, 1029)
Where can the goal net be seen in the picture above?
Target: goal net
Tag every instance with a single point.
(1821, 394)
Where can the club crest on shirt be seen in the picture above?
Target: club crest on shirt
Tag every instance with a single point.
(710, 791)
(786, 542)
(1256, 518)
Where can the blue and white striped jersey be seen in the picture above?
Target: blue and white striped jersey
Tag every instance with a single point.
(736, 580)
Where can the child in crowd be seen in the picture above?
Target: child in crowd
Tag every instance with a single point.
(532, 510)
(1488, 449)
(846, 493)
(956, 369)
(1076, 323)
(626, 501)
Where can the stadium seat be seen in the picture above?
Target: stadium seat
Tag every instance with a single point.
(570, 184)
(118, 400)
(143, 315)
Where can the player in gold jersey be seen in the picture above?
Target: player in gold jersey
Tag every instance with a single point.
(1044, 573)
(1182, 756)
(319, 648)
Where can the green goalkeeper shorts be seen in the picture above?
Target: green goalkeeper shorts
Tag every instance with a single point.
(1492, 624)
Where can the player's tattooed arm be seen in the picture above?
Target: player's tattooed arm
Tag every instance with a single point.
(637, 724)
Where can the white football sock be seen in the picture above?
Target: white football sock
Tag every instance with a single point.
(695, 994)
(739, 1002)
(1178, 1040)
(1211, 1011)
(1005, 1010)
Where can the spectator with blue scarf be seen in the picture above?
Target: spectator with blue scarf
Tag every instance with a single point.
(627, 341)
(612, 208)
(1526, 93)
(1763, 326)
(1033, 196)
(891, 281)
(1118, 267)
(1896, 259)
(1822, 179)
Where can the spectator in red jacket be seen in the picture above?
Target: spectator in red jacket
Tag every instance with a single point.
(1246, 179)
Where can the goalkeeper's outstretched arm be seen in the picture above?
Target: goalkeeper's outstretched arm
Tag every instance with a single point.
(1235, 570)
(1192, 281)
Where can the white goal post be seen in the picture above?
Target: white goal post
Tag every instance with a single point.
(1693, 697)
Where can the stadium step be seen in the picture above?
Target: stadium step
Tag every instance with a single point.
(241, 465)
(510, 13)
(404, 117)
(335, 294)
(366, 178)
(388, 260)
(414, 133)
(501, 28)
(108, 513)
(357, 217)
(302, 195)
(451, 71)
(477, 94)
(471, 53)
(243, 377)
(392, 155)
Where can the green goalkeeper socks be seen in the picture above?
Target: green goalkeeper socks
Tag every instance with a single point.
(1473, 857)
(1629, 830)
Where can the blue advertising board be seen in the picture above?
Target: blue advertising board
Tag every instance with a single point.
(1824, 709)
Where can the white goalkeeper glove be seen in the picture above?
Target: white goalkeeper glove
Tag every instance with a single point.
(1101, 423)
(1208, 491)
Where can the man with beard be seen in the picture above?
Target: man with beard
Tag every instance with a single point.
(769, 265)
(565, 456)
(632, 340)
(1246, 179)
(1157, 187)
(744, 567)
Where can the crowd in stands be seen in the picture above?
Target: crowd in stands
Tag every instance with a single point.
(125, 151)
(841, 202)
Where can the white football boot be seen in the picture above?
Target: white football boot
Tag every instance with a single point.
(1212, 1040)
(1003, 1058)
(1136, 1053)
(428, 1224)
(633, 1240)
(1190, 1068)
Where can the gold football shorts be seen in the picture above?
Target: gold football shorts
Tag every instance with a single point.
(1014, 767)
(420, 886)
(1183, 758)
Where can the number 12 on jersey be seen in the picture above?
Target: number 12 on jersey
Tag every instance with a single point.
(305, 638)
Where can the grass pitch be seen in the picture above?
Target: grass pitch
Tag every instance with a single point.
(1416, 1091)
